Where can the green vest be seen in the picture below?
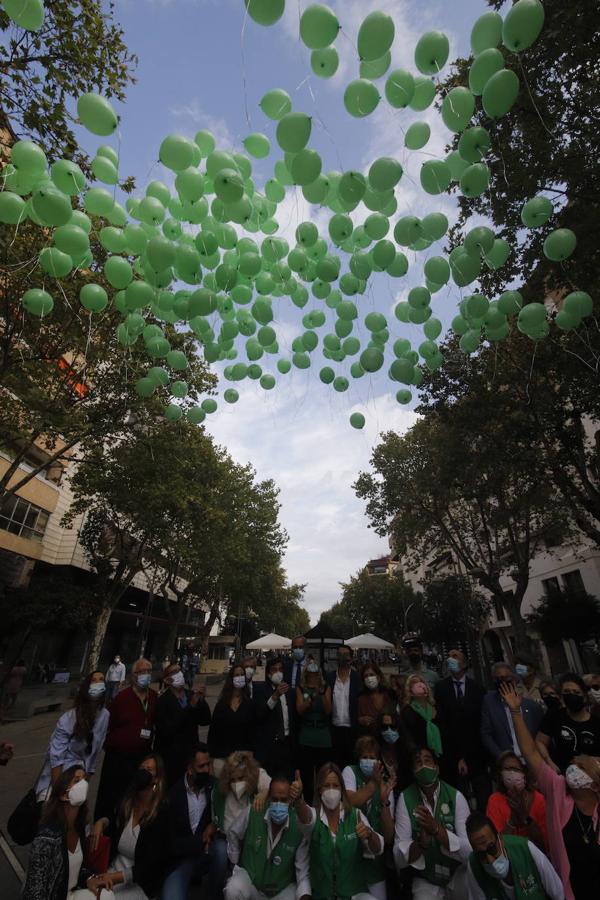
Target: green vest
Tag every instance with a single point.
(526, 878)
(439, 868)
(336, 870)
(270, 874)
(374, 868)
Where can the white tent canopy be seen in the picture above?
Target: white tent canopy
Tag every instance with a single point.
(270, 642)
(368, 641)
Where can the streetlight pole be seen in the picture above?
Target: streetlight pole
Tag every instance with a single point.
(406, 612)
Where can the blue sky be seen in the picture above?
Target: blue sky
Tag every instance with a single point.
(195, 58)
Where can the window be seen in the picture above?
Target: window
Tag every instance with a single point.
(551, 586)
(23, 519)
(573, 582)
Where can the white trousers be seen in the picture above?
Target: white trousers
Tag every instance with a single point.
(239, 887)
(84, 894)
(456, 890)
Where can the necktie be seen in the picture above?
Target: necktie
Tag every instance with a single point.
(459, 690)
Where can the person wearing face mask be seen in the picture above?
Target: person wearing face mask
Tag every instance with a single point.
(550, 696)
(571, 731)
(345, 689)
(419, 715)
(313, 709)
(56, 868)
(413, 648)
(179, 713)
(249, 664)
(396, 750)
(274, 721)
(505, 867)
(458, 701)
(139, 834)
(115, 678)
(191, 828)
(572, 810)
(497, 729)
(233, 719)
(343, 842)
(371, 790)
(430, 835)
(128, 739)
(294, 666)
(78, 735)
(525, 669)
(374, 698)
(516, 807)
(592, 683)
(269, 848)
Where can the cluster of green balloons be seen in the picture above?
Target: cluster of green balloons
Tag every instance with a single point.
(176, 257)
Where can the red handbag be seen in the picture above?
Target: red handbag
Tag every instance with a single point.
(97, 860)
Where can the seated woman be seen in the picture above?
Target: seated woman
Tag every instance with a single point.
(139, 836)
(342, 840)
(241, 783)
(396, 750)
(374, 698)
(372, 791)
(516, 807)
(419, 714)
(56, 870)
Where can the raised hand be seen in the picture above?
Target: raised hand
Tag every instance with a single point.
(363, 832)
(509, 694)
(296, 788)
(387, 787)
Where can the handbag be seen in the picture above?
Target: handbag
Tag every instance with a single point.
(24, 821)
(97, 860)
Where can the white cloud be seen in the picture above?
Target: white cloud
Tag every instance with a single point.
(194, 118)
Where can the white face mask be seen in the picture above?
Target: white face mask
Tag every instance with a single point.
(239, 681)
(238, 789)
(331, 798)
(371, 681)
(577, 779)
(312, 667)
(249, 670)
(595, 695)
(276, 678)
(177, 680)
(78, 793)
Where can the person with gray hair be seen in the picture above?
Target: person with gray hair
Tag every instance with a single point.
(497, 729)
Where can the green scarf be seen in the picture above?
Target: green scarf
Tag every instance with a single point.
(434, 738)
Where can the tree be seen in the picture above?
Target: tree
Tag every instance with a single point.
(566, 614)
(379, 603)
(77, 50)
(464, 480)
(339, 620)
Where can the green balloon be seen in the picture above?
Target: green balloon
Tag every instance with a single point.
(173, 413)
(53, 261)
(435, 176)
(423, 93)
(477, 306)
(229, 185)
(486, 32)
(176, 152)
(265, 12)
(376, 226)
(340, 384)
(118, 272)
(145, 387)
(417, 135)
(209, 405)
(375, 68)
(470, 341)
(565, 321)
(497, 256)
(522, 25)
(419, 297)
(96, 114)
(231, 395)
(68, 177)
(531, 317)
(51, 206)
(27, 14)
(98, 201)
(431, 52)
(12, 208)
(327, 375)
(257, 145)
(434, 226)
(479, 240)
(375, 36)
(72, 240)
(352, 187)
(536, 212)
(384, 254)
(407, 230)
(306, 166)
(578, 304)
(177, 360)
(482, 68)
(357, 420)
(37, 302)
(385, 173)
(474, 143)
(464, 268)
(93, 297)
(500, 92)
(399, 88)
(398, 267)
(371, 359)
(324, 63)
(475, 180)
(293, 132)
(276, 103)
(432, 329)
(319, 26)
(458, 107)
(437, 270)
(301, 360)
(560, 244)
(375, 321)
(190, 184)
(361, 97)
(510, 302)
(403, 396)
(104, 170)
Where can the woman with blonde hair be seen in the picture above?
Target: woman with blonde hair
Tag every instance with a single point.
(313, 705)
(241, 783)
(139, 835)
(341, 839)
(419, 713)
(374, 698)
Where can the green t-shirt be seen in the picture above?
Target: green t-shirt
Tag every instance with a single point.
(314, 730)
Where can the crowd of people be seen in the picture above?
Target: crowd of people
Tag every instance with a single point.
(334, 786)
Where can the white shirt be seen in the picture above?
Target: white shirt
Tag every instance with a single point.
(126, 851)
(551, 883)
(459, 847)
(75, 864)
(234, 807)
(350, 782)
(116, 672)
(462, 682)
(340, 714)
(235, 837)
(272, 703)
(196, 805)
(513, 736)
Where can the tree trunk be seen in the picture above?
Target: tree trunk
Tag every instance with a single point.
(98, 637)
(175, 622)
(519, 626)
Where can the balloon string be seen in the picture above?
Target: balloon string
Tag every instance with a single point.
(539, 115)
(243, 53)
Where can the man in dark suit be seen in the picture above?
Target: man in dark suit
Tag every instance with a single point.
(293, 667)
(191, 830)
(179, 712)
(273, 701)
(345, 688)
(458, 701)
(497, 729)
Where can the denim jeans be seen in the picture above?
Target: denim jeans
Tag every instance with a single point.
(177, 883)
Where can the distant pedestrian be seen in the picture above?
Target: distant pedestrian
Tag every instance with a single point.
(14, 684)
(115, 678)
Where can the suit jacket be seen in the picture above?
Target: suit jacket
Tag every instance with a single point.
(495, 730)
(269, 722)
(460, 723)
(184, 842)
(152, 851)
(355, 689)
(288, 671)
(177, 731)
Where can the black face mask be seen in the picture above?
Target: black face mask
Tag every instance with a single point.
(142, 779)
(552, 701)
(499, 682)
(574, 702)
(200, 780)
(343, 661)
